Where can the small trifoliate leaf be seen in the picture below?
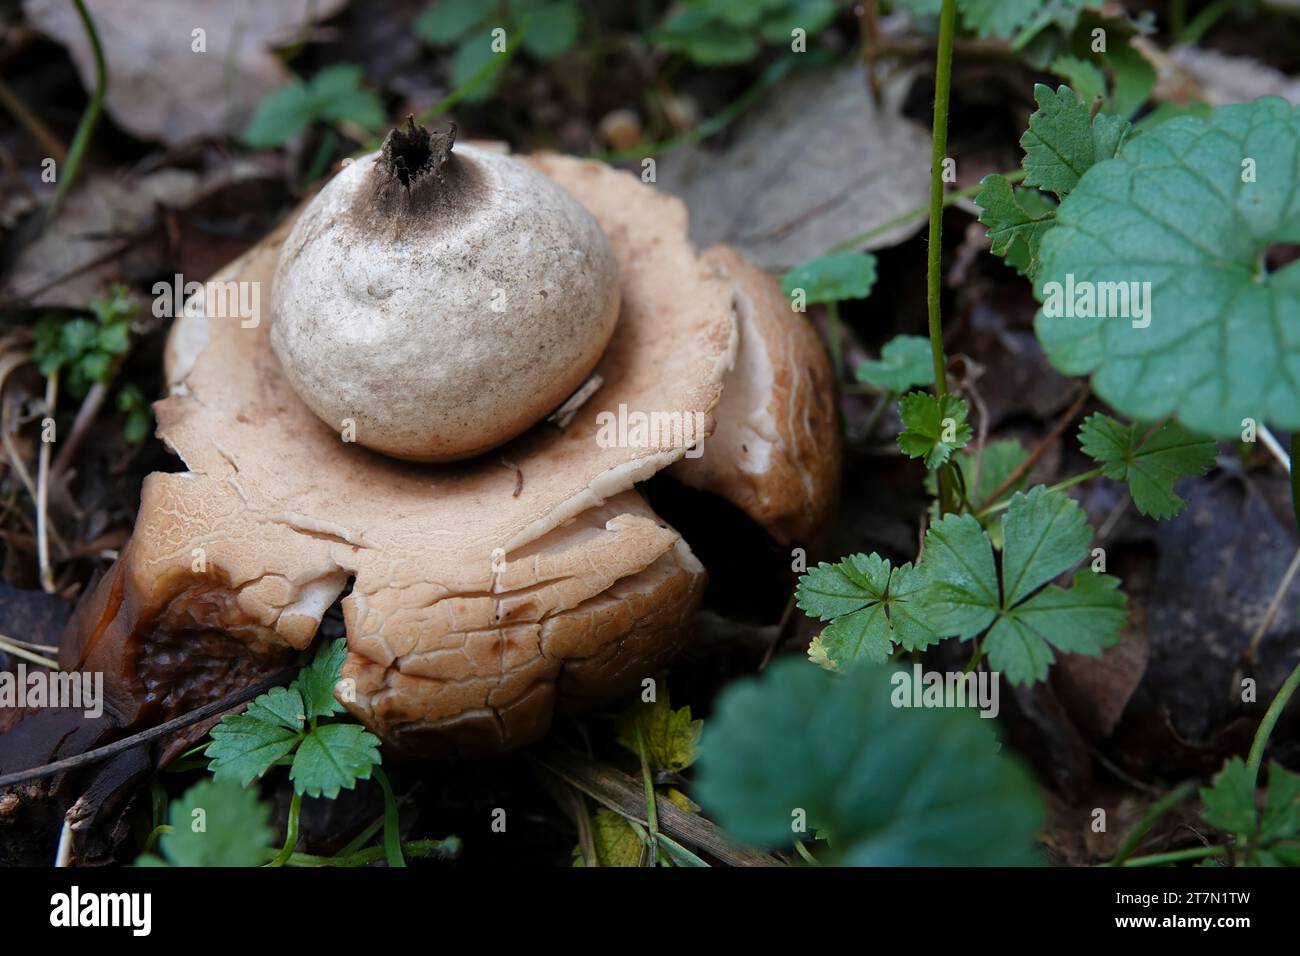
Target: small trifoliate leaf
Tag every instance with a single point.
(1183, 218)
(1017, 220)
(905, 362)
(1230, 802)
(1149, 467)
(894, 787)
(316, 681)
(833, 277)
(932, 428)
(871, 606)
(1085, 618)
(670, 736)
(245, 746)
(1044, 534)
(333, 757)
(216, 823)
(1063, 142)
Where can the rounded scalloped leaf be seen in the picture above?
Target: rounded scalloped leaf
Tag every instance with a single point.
(1178, 209)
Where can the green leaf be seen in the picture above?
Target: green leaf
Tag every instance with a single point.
(998, 18)
(1017, 220)
(932, 428)
(1083, 76)
(1281, 819)
(871, 606)
(670, 736)
(337, 94)
(1230, 803)
(114, 338)
(1134, 79)
(280, 116)
(984, 474)
(77, 337)
(551, 29)
(216, 823)
(1044, 534)
(709, 42)
(833, 277)
(245, 746)
(316, 681)
(449, 20)
(921, 787)
(1063, 142)
(333, 757)
(811, 16)
(1221, 342)
(475, 55)
(138, 423)
(1150, 467)
(905, 362)
(1083, 619)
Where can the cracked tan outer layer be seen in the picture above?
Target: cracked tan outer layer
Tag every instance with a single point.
(448, 647)
(478, 605)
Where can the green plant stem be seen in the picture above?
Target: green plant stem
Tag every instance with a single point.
(1280, 700)
(392, 831)
(805, 854)
(887, 398)
(975, 658)
(1178, 856)
(290, 832)
(89, 119)
(1059, 486)
(1202, 22)
(1153, 815)
(321, 160)
(942, 88)
(651, 809)
(446, 849)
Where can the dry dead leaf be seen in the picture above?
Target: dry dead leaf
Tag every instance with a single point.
(814, 166)
(159, 88)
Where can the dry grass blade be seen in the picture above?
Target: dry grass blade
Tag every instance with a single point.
(623, 794)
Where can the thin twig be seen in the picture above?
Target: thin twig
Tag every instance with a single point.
(43, 488)
(34, 125)
(1270, 613)
(145, 736)
(86, 414)
(1275, 447)
(1039, 450)
(12, 647)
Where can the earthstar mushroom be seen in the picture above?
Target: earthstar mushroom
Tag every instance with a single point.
(441, 301)
(474, 608)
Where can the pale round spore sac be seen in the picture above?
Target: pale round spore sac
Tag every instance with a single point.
(443, 316)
